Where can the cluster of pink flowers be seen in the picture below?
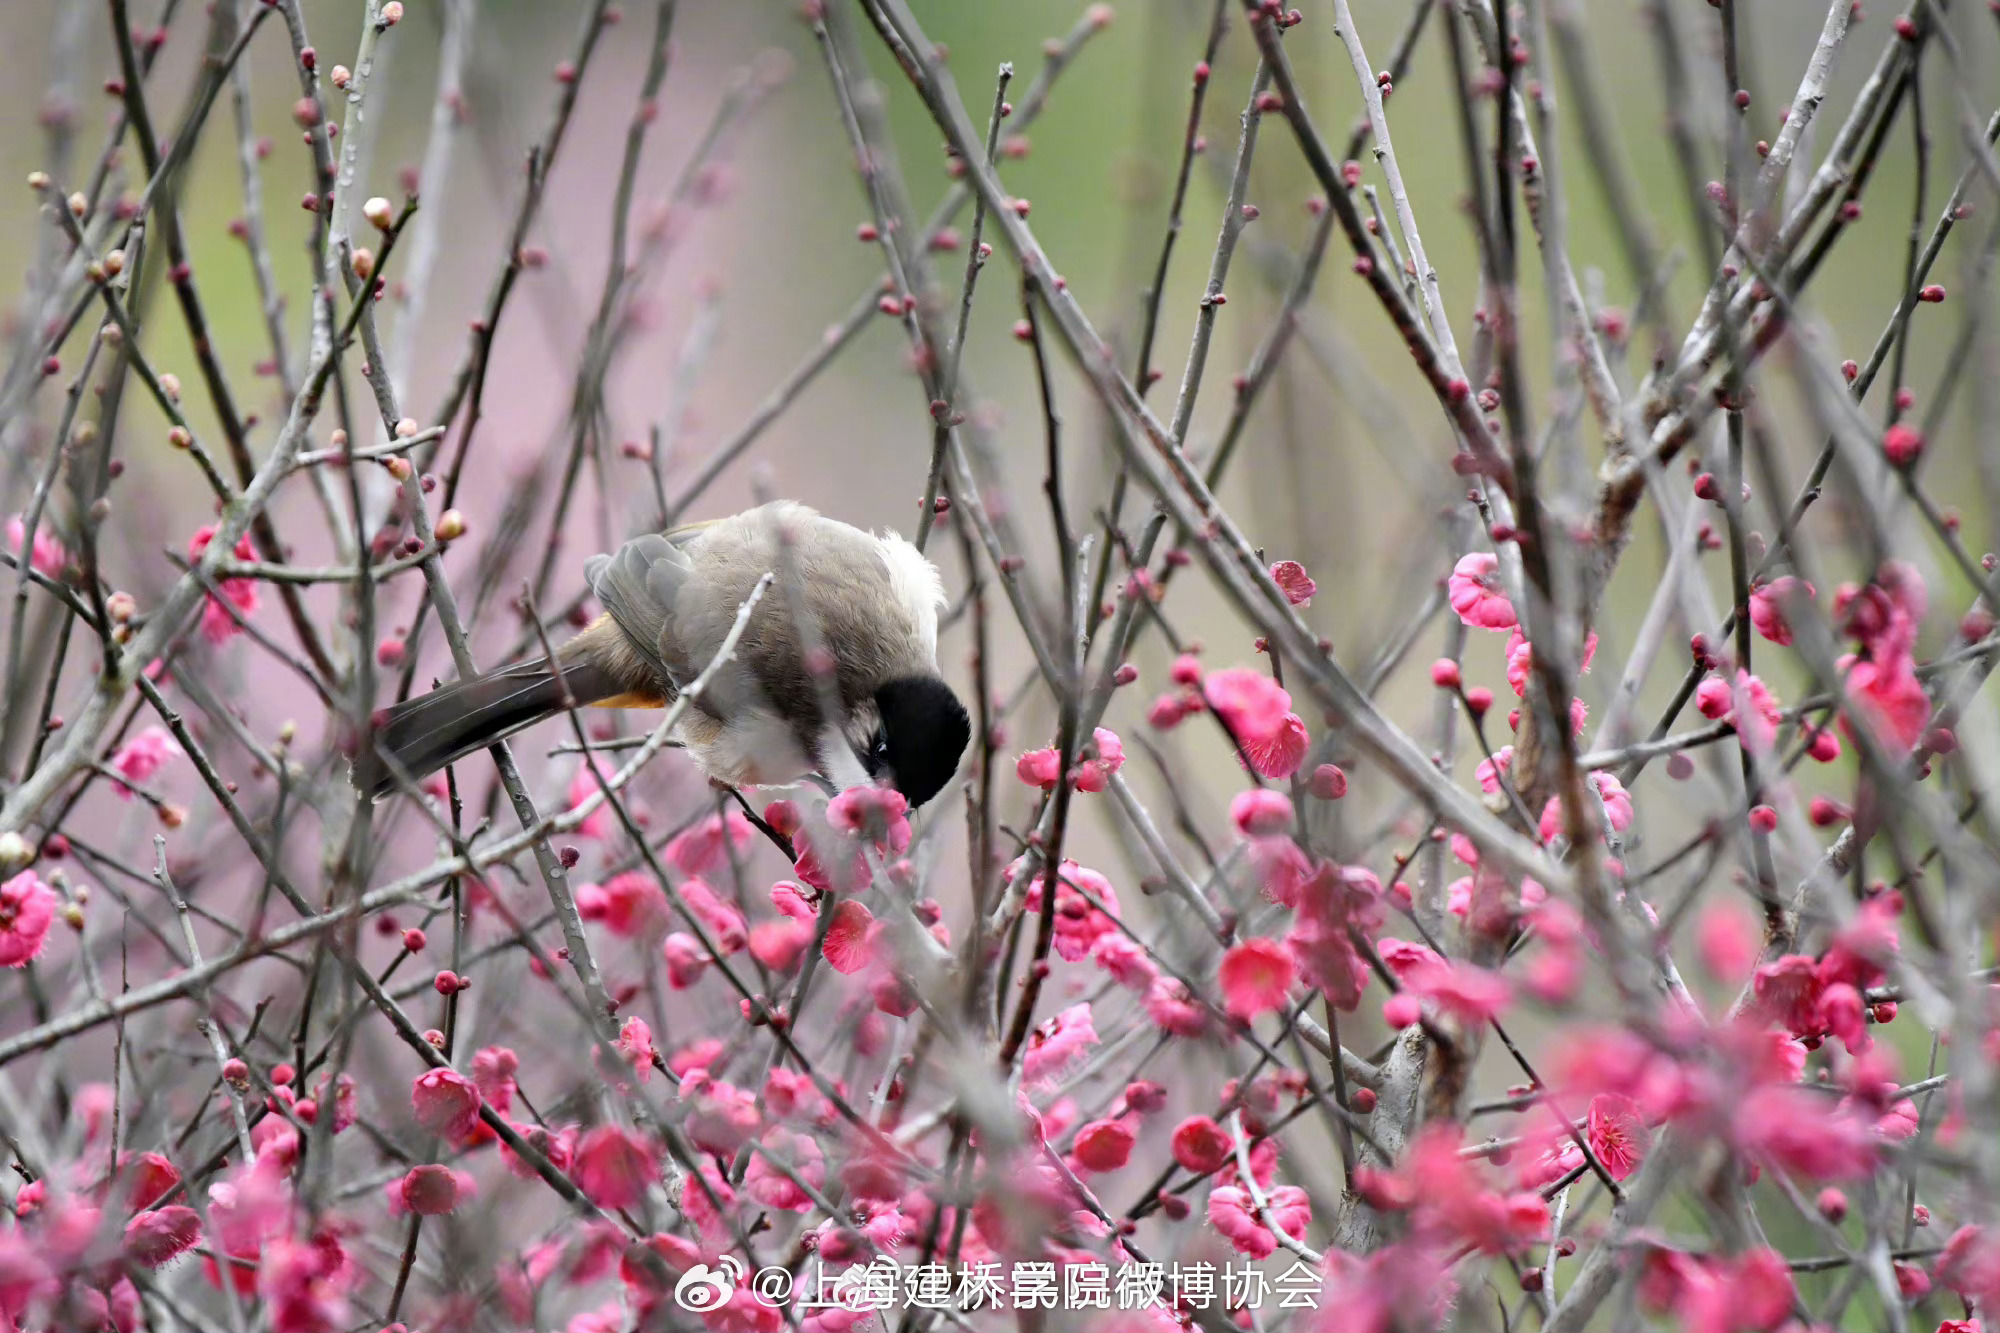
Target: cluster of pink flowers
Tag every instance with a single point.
(217, 624)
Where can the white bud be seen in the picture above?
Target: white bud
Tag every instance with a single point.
(377, 211)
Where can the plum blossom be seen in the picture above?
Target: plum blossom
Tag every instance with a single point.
(1256, 977)
(774, 1188)
(1617, 806)
(1616, 1133)
(708, 845)
(217, 624)
(430, 1190)
(1294, 582)
(158, 1237)
(1104, 1145)
(851, 938)
(1094, 774)
(613, 1167)
(1747, 704)
(1057, 1043)
(1474, 589)
(1281, 753)
(1174, 1011)
(1254, 705)
(1201, 1145)
(599, 822)
(27, 909)
(1233, 1212)
(142, 756)
(1750, 1293)
(628, 905)
(1079, 924)
(1455, 1200)
(1124, 961)
(1261, 812)
(446, 1103)
(1330, 904)
(1768, 602)
(48, 557)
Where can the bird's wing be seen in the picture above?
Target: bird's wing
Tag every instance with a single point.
(639, 586)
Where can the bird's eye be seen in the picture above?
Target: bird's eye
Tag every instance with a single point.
(881, 749)
(876, 757)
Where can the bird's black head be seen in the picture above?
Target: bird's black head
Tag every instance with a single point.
(924, 732)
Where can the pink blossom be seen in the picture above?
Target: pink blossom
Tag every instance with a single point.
(635, 1043)
(1261, 812)
(1752, 1293)
(768, 1185)
(851, 938)
(627, 905)
(1040, 768)
(1174, 1011)
(778, 945)
(1124, 961)
(1521, 660)
(1294, 582)
(1617, 806)
(1454, 1201)
(791, 902)
(1251, 703)
(1280, 754)
(598, 823)
(1970, 1265)
(721, 920)
(860, 811)
(559, 1146)
(143, 755)
(27, 909)
(1889, 699)
(1057, 1043)
(217, 625)
(1491, 771)
(1094, 774)
(155, 1238)
(707, 846)
(1474, 588)
(446, 1103)
(1805, 1134)
(1617, 1134)
(1256, 977)
(1333, 902)
(1201, 1146)
(1104, 1145)
(721, 1117)
(1768, 602)
(613, 1167)
(1469, 993)
(49, 556)
(1079, 923)
(303, 1286)
(686, 960)
(1727, 941)
(1231, 1211)
(493, 1070)
(430, 1190)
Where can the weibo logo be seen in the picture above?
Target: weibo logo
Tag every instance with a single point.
(708, 1288)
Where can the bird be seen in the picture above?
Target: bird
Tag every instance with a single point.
(871, 599)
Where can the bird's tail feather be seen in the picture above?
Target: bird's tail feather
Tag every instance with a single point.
(421, 735)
